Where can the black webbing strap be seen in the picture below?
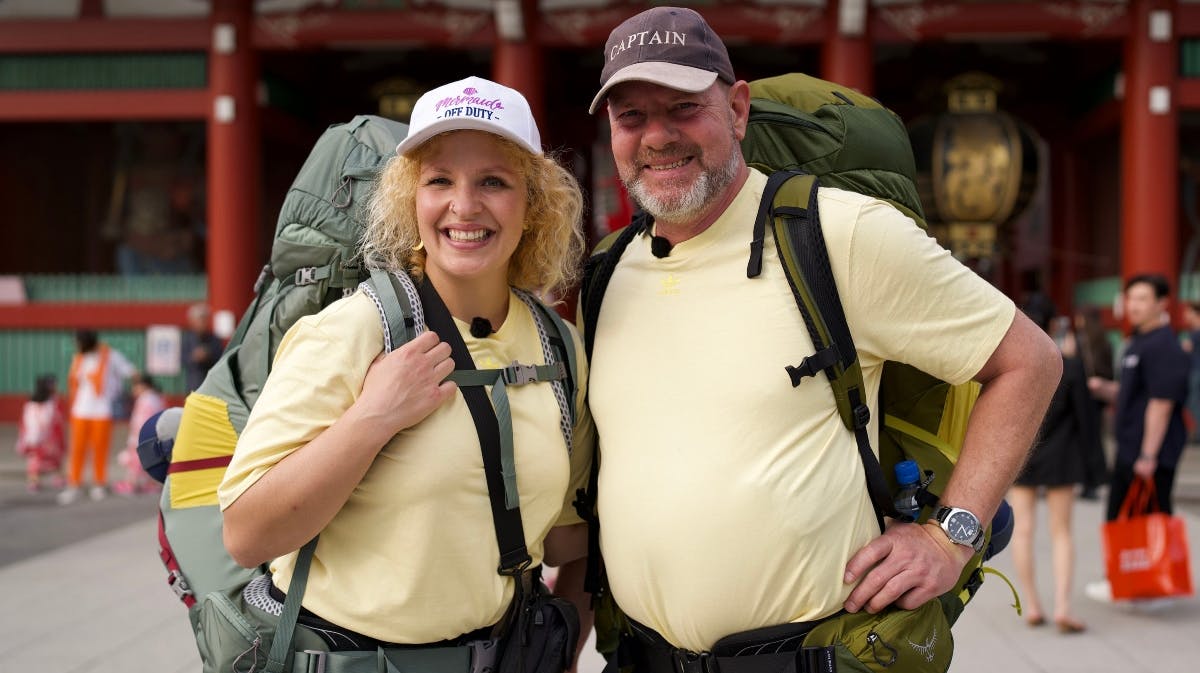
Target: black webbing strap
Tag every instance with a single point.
(774, 182)
(510, 535)
(799, 238)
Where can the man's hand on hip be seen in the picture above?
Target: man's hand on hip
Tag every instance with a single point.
(907, 565)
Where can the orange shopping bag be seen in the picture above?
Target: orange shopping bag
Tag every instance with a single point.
(1146, 550)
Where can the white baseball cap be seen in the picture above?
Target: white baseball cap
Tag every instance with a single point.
(474, 104)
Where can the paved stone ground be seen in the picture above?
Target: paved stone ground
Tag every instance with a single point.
(33, 523)
(84, 592)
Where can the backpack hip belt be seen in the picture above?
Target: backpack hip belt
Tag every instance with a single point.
(772, 649)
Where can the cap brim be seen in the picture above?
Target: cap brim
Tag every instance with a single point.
(671, 75)
(461, 124)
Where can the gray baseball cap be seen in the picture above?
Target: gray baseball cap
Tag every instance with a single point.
(670, 46)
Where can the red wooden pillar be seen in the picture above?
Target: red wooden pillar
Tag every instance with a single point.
(234, 258)
(847, 55)
(1066, 235)
(1150, 143)
(518, 58)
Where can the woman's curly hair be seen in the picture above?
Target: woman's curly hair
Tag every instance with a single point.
(548, 255)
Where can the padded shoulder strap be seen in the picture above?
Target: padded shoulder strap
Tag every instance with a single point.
(796, 223)
(563, 344)
(400, 311)
(790, 204)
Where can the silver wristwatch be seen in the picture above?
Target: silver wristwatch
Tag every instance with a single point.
(961, 526)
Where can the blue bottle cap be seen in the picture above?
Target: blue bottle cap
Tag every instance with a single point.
(907, 472)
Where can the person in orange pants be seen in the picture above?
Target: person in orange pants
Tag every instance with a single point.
(97, 376)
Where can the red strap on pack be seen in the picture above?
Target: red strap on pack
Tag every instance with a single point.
(175, 578)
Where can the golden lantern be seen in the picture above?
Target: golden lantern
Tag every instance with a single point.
(977, 157)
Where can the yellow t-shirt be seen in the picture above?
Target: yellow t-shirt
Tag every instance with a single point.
(728, 499)
(412, 555)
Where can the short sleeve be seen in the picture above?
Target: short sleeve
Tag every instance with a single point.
(317, 374)
(906, 297)
(1165, 371)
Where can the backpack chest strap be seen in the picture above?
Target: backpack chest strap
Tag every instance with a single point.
(515, 374)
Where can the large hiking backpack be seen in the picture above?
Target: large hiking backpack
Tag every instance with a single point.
(314, 262)
(802, 132)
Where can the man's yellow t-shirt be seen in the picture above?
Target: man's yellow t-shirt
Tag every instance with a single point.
(728, 499)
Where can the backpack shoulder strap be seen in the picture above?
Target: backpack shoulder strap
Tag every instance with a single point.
(599, 270)
(789, 203)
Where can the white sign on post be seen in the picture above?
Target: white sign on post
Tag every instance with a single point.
(163, 346)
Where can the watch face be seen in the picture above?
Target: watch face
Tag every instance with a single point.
(962, 526)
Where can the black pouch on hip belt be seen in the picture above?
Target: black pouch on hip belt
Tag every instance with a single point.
(542, 634)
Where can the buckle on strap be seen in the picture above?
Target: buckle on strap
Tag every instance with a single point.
(862, 416)
(179, 585)
(518, 374)
(686, 661)
(484, 654)
(306, 275)
(315, 662)
(809, 366)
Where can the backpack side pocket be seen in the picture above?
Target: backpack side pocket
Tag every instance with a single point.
(231, 635)
(895, 640)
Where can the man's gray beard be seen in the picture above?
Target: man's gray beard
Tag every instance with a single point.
(692, 203)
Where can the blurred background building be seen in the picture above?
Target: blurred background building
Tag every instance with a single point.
(146, 145)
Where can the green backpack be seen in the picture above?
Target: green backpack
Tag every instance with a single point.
(803, 132)
(314, 262)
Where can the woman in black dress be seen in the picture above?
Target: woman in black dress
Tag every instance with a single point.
(1057, 466)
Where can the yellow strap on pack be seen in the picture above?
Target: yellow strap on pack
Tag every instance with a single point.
(988, 570)
(901, 425)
